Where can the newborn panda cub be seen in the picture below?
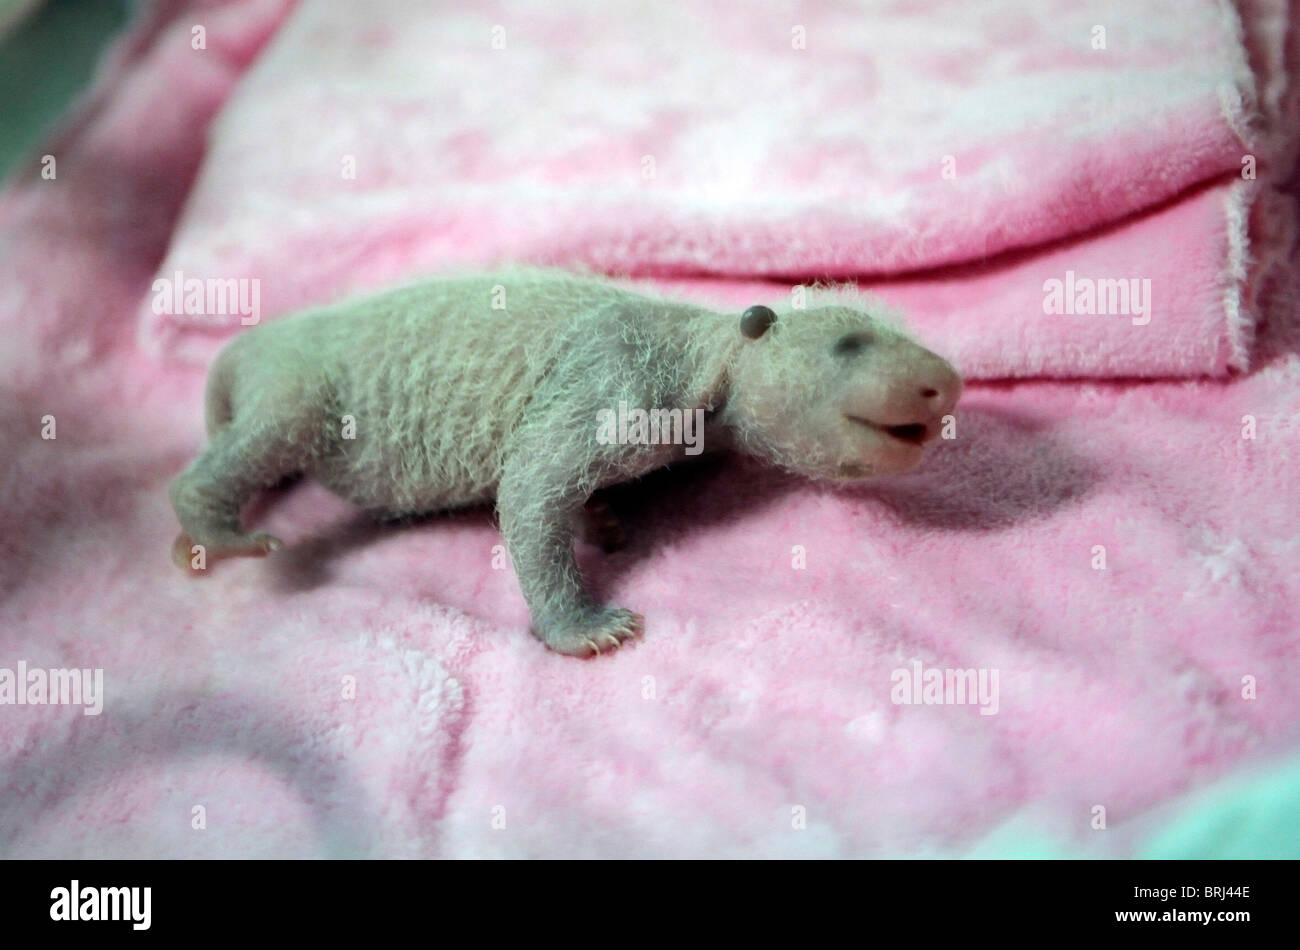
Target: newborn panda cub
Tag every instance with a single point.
(460, 391)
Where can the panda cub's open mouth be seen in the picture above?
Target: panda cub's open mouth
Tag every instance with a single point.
(913, 433)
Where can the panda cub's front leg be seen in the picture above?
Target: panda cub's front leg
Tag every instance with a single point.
(539, 500)
(538, 528)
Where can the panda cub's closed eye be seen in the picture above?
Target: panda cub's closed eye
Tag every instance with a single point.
(853, 343)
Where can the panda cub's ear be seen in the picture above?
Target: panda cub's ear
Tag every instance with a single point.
(755, 321)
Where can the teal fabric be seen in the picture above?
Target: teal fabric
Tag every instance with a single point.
(1249, 816)
(47, 59)
(1252, 814)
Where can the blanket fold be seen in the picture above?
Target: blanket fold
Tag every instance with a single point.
(964, 170)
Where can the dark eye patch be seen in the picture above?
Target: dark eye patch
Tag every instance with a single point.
(853, 343)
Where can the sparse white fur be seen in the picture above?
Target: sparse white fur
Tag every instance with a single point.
(456, 403)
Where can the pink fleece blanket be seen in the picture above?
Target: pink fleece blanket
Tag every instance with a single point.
(1120, 553)
(1030, 142)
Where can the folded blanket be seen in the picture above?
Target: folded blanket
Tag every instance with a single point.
(1121, 553)
(1019, 146)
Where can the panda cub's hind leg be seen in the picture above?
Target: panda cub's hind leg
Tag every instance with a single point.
(250, 453)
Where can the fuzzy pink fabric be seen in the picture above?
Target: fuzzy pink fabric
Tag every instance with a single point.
(759, 140)
(762, 687)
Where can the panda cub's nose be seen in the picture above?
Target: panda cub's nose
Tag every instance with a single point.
(940, 388)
